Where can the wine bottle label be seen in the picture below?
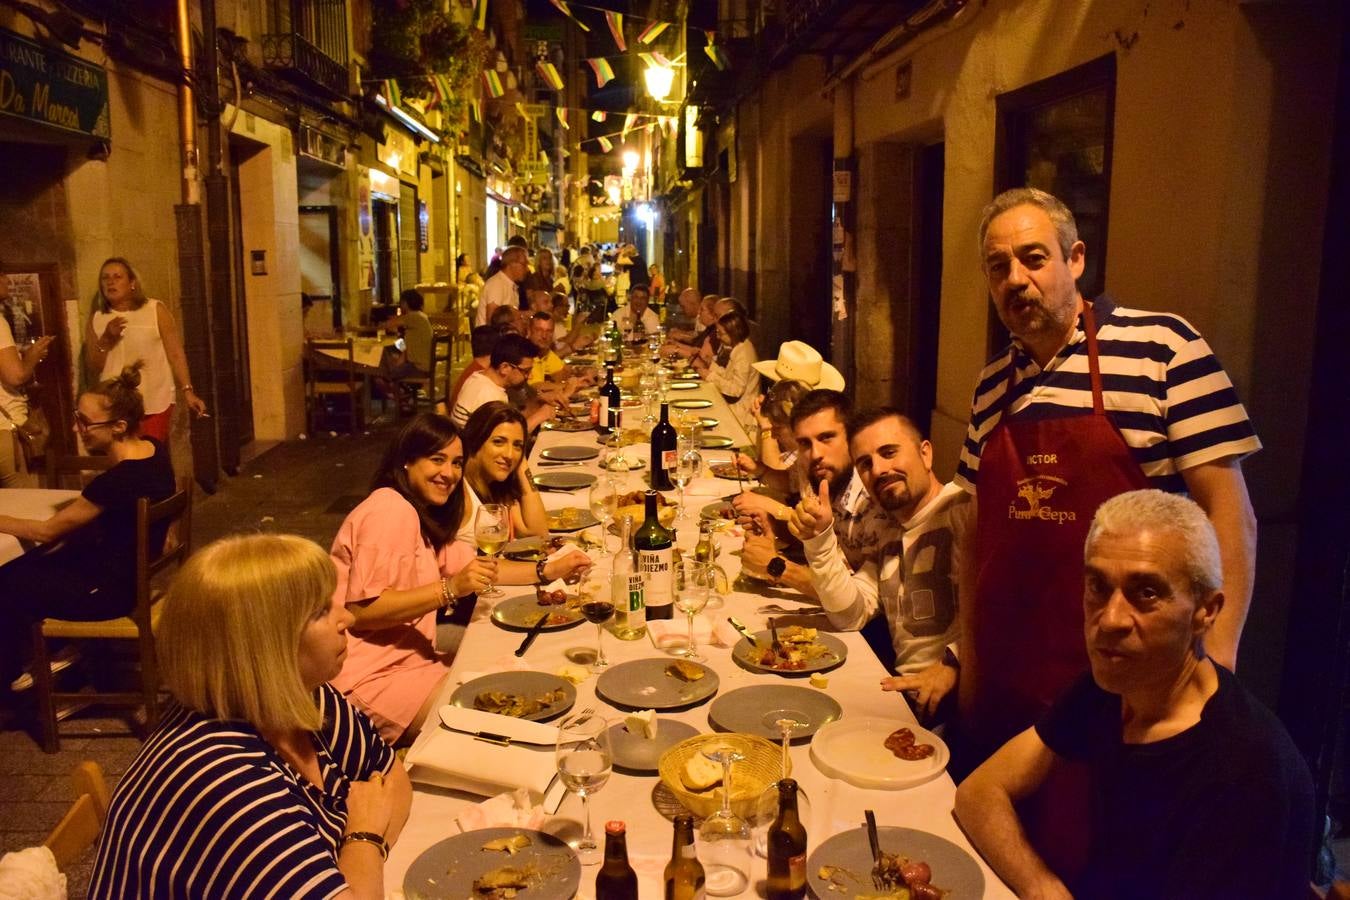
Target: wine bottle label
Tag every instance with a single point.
(797, 871)
(669, 461)
(636, 594)
(602, 416)
(655, 566)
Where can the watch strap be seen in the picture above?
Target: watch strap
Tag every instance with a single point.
(367, 837)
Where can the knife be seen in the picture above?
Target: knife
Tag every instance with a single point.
(534, 633)
(745, 632)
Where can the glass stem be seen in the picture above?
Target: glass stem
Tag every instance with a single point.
(692, 647)
(586, 840)
(726, 786)
(600, 645)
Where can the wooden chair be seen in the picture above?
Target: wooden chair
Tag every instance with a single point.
(68, 472)
(139, 626)
(442, 361)
(329, 377)
(79, 828)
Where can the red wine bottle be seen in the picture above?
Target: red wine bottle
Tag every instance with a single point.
(664, 458)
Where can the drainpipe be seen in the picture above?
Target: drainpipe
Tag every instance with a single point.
(844, 265)
(187, 109)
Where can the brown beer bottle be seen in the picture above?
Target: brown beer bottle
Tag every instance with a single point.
(684, 873)
(787, 847)
(616, 879)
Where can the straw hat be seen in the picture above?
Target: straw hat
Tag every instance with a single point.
(798, 361)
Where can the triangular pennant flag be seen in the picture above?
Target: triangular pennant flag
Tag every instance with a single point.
(562, 117)
(604, 72)
(392, 93)
(714, 52)
(548, 73)
(599, 115)
(605, 144)
(563, 151)
(476, 109)
(628, 121)
(648, 58)
(567, 11)
(480, 14)
(652, 32)
(615, 22)
(492, 84)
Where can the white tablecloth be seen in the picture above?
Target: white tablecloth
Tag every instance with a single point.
(834, 805)
(28, 503)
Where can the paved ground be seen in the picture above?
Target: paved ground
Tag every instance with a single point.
(301, 487)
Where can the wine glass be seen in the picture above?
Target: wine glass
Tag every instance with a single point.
(602, 499)
(691, 595)
(725, 836)
(615, 462)
(585, 760)
(598, 610)
(788, 722)
(648, 386)
(491, 526)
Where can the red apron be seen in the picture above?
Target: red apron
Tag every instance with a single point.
(1039, 484)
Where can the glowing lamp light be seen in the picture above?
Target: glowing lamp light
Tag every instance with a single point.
(614, 192)
(659, 80)
(630, 161)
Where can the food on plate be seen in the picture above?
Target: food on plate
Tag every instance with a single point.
(573, 673)
(902, 744)
(550, 598)
(512, 845)
(641, 724)
(685, 671)
(633, 504)
(726, 470)
(502, 883)
(819, 680)
(899, 877)
(797, 649)
(700, 773)
(567, 517)
(507, 703)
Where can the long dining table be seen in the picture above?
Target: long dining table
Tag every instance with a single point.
(28, 503)
(833, 805)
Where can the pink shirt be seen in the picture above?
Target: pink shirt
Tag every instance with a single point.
(389, 672)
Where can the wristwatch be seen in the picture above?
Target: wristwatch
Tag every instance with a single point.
(950, 659)
(776, 567)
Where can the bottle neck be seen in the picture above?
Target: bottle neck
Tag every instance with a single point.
(665, 413)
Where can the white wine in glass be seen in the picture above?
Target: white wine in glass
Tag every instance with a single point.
(491, 528)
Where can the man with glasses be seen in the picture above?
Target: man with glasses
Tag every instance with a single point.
(501, 289)
(508, 367)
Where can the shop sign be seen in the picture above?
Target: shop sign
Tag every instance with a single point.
(44, 85)
(322, 147)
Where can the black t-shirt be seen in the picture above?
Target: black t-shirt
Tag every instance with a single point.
(1222, 810)
(108, 544)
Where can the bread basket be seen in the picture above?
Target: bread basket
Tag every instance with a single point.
(761, 767)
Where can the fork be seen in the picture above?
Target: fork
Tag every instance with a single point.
(584, 715)
(773, 631)
(879, 880)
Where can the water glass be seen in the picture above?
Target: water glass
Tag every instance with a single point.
(724, 838)
(585, 760)
(693, 584)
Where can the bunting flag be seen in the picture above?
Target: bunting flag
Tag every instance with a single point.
(714, 52)
(443, 87)
(562, 117)
(615, 22)
(480, 14)
(599, 115)
(605, 144)
(492, 84)
(548, 72)
(476, 109)
(604, 72)
(652, 32)
(567, 11)
(392, 93)
(628, 121)
(564, 152)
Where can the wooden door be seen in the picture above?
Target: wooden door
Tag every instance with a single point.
(34, 289)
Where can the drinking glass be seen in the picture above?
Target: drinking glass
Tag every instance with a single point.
(724, 837)
(585, 760)
(602, 500)
(598, 610)
(687, 466)
(788, 722)
(692, 587)
(615, 462)
(648, 387)
(491, 527)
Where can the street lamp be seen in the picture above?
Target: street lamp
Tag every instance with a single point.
(630, 162)
(659, 80)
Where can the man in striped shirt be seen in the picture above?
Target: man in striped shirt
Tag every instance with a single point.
(1089, 400)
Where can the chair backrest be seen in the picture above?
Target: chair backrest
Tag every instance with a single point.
(320, 361)
(177, 508)
(442, 358)
(79, 828)
(60, 468)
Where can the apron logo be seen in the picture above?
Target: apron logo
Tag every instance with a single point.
(1036, 491)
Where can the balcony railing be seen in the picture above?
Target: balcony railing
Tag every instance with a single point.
(837, 27)
(308, 43)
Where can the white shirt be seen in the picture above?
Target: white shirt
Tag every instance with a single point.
(15, 403)
(624, 319)
(477, 389)
(140, 340)
(499, 290)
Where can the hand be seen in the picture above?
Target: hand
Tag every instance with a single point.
(113, 333)
(813, 515)
(196, 405)
(756, 553)
(38, 351)
(926, 687)
(480, 572)
(370, 805)
(749, 503)
(746, 463)
(570, 567)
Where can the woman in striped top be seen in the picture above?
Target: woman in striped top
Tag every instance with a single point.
(261, 781)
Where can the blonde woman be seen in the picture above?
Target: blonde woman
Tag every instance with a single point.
(128, 326)
(260, 781)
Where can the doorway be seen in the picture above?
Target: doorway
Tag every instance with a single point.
(320, 273)
(386, 250)
(920, 388)
(240, 151)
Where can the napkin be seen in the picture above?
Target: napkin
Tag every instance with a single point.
(461, 761)
(31, 874)
(671, 632)
(510, 810)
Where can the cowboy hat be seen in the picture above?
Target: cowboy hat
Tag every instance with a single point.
(798, 361)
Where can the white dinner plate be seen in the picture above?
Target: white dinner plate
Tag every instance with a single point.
(854, 750)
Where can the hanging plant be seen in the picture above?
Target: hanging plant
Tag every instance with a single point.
(411, 39)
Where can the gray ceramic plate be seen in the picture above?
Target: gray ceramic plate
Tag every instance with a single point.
(528, 683)
(709, 422)
(755, 709)
(693, 403)
(836, 653)
(563, 481)
(954, 870)
(447, 869)
(638, 754)
(644, 684)
(570, 453)
(716, 442)
(714, 510)
(582, 518)
(520, 614)
(568, 425)
(683, 385)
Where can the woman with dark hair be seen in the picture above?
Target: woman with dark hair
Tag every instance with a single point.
(127, 326)
(89, 572)
(732, 371)
(405, 552)
(494, 453)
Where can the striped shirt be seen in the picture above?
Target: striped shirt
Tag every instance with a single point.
(208, 809)
(1163, 389)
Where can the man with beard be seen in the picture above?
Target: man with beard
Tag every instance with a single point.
(1090, 400)
(911, 575)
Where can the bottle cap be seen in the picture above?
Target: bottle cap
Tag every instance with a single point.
(615, 827)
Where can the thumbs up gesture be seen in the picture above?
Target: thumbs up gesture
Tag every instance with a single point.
(813, 515)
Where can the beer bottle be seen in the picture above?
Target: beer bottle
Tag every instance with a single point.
(787, 848)
(616, 879)
(684, 873)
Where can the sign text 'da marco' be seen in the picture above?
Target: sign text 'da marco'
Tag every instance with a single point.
(44, 85)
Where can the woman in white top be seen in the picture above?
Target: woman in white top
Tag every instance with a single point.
(16, 370)
(732, 371)
(127, 326)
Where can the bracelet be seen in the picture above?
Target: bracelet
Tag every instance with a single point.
(446, 598)
(366, 837)
(187, 389)
(539, 571)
